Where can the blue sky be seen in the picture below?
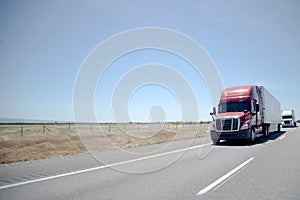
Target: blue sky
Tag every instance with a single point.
(44, 43)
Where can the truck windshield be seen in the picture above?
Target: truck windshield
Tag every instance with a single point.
(238, 106)
(287, 117)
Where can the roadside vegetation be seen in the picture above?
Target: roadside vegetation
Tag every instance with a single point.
(24, 142)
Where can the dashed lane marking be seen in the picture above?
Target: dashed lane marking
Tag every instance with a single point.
(223, 178)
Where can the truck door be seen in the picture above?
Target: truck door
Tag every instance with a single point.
(259, 115)
(254, 116)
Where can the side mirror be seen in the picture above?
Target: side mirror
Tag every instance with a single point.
(257, 107)
(245, 112)
(213, 113)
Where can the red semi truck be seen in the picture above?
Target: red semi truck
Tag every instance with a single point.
(245, 113)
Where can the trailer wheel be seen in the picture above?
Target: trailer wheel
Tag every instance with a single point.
(278, 128)
(266, 131)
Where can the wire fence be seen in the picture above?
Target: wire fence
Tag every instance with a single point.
(21, 130)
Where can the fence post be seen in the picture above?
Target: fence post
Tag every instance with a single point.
(21, 131)
(45, 127)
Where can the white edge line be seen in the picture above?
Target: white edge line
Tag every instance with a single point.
(100, 167)
(281, 137)
(223, 178)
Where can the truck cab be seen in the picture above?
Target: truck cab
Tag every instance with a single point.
(238, 113)
(242, 113)
(288, 118)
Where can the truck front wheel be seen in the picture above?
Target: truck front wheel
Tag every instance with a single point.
(252, 136)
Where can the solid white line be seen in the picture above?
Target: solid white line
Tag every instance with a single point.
(101, 167)
(281, 137)
(223, 178)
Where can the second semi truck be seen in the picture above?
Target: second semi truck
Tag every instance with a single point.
(288, 118)
(245, 113)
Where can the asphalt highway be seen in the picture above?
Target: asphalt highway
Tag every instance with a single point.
(267, 169)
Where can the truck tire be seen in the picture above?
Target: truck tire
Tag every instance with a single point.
(252, 137)
(266, 131)
(278, 128)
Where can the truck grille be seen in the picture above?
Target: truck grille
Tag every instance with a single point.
(231, 124)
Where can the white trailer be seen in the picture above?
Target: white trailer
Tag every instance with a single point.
(270, 110)
(288, 118)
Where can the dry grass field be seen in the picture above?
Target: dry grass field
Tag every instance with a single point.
(30, 142)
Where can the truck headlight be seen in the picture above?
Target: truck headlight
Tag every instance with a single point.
(245, 126)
